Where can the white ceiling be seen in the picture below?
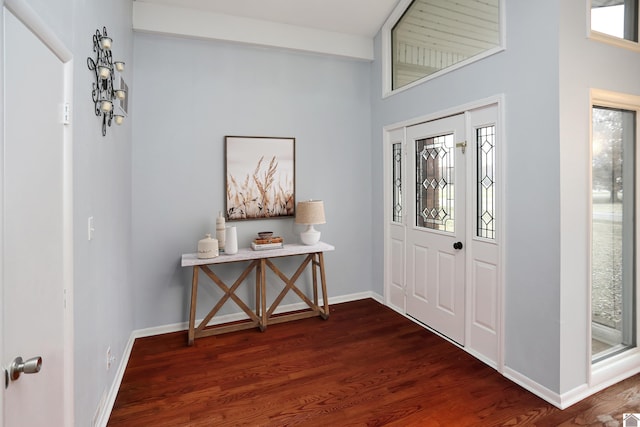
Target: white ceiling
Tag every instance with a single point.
(356, 17)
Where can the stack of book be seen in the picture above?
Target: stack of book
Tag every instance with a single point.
(270, 243)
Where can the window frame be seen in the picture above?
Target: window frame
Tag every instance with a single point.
(387, 61)
(609, 39)
(614, 100)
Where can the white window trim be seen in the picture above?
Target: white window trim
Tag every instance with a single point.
(609, 39)
(386, 50)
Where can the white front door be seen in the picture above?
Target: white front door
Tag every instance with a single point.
(33, 242)
(435, 225)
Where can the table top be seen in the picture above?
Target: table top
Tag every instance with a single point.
(248, 254)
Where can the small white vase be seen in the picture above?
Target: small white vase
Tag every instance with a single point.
(231, 241)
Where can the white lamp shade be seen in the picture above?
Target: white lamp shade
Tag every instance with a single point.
(310, 212)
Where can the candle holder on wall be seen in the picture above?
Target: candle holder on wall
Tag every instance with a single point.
(103, 92)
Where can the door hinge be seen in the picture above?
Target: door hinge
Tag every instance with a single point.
(66, 113)
(462, 145)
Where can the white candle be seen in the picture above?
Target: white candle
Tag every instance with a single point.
(119, 119)
(104, 72)
(106, 106)
(119, 66)
(121, 93)
(105, 42)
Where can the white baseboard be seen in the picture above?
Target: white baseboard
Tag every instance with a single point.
(115, 386)
(535, 388)
(183, 326)
(564, 400)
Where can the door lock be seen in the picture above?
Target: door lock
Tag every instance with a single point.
(457, 246)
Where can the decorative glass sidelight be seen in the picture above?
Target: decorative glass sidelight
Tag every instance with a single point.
(397, 182)
(613, 230)
(486, 173)
(435, 176)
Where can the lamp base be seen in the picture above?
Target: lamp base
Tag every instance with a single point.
(310, 236)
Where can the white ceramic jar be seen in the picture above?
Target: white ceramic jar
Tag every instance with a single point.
(208, 247)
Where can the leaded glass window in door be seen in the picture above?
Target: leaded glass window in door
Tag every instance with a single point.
(435, 175)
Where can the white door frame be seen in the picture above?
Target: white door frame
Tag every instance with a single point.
(391, 134)
(23, 11)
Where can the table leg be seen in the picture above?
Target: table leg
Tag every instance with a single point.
(258, 270)
(192, 310)
(263, 294)
(325, 299)
(314, 275)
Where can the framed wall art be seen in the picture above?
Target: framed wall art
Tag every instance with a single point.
(260, 177)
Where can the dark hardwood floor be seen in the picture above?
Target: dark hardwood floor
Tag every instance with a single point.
(365, 365)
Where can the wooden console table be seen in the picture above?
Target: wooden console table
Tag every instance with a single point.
(260, 261)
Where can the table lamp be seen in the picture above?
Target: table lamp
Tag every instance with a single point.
(310, 212)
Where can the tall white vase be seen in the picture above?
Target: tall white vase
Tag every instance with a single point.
(220, 231)
(231, 243)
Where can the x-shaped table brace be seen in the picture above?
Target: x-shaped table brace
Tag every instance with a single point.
(261, 317)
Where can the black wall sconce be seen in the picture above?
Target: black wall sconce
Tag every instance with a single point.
(104, 94)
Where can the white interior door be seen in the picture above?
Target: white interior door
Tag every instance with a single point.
(33, 273)
(435, 225)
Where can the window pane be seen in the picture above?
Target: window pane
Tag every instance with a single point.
(486, 152)
(435, 183)
(613, 267)
(433, 35)
(397, 182)
(618, 18)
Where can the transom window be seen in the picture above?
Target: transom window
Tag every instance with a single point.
(434, 35)
(615, 18)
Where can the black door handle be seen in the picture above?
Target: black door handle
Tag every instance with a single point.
(457, 245)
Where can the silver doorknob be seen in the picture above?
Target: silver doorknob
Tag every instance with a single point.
(31, 366)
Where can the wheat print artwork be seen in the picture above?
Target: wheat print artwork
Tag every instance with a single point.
(260, 177)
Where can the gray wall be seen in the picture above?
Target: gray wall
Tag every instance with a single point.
(584, 64)
(189, 95)
(103, 301)
(527, 74)
(102, 295)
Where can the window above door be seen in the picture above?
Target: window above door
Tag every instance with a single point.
(615, 22)
(426, 38)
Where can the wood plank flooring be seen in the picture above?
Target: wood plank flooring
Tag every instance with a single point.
(366, 365)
